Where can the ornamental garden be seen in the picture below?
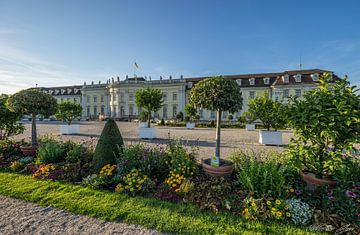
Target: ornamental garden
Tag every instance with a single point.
(311, 187)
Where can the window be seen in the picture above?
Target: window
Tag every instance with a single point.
(286, 93)
(201, 113)
(212, 115)
(298, 77)
(224, 114)
(114, 112)
(122, 111)
(174, 96)
(298, 92)
(88, 111)
(165, 112)
(174, 110)
(95, 110)
(88, 99)
(131, 97)
(121, 96)
(252, 81)
(252, 94)
(315, 77)
(102, 109)
(102, 99)
(131, 110)
(165, 96)
(239, 82)
(95, 98)
(285, 78)
(267, 81)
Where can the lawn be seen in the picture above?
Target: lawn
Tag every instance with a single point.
(151, 213)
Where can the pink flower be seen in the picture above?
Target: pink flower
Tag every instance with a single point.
(350, 194)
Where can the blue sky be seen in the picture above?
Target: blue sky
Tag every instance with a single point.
(68, 42)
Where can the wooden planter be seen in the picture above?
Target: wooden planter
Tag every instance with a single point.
(226, 168)
(313, 182)
(28, 150)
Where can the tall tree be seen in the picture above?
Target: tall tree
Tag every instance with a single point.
(150, 99)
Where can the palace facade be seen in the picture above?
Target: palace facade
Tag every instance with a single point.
(116, 98)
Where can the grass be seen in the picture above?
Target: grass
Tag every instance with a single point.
(150, 213)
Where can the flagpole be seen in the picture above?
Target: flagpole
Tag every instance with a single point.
(134, 68)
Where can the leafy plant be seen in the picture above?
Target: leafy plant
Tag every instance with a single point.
(326, 123)
(135, 183)
(50, 152)
(32, 102)
(217, 94)
(95, 181)
(143, 116)
(9, 124)
(68, 111)
(230, 117)
(262, 174)
(48, 171)
(150, 99)
(270, 112)
(74, 155)
(301, 213)
(109, 143)
(190, 111)
(179, 116)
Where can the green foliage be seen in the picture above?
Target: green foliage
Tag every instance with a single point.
(190, 111)
(68, 111)
(109, 142)
(143, 116)
(32, 102)
(230, 117)
(150, 99)
(50, 152)
(151, 213)
(74, 155)
(9, 120)
(326, 122)
(262, 174)
(180, 116)
(162, 122)
(270, 112)
(95, 181)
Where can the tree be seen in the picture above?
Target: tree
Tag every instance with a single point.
(150, 99)
(110, 142)
(270, 112)
(68, 111)
(190, 111)
(9, 124)
(217, 94)
(179, 116)
(32, 102)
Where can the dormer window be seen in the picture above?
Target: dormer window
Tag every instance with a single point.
(285, 78)
(239, 82)
(267, 81)
(252, 81)
(297, 77)
(315, 77)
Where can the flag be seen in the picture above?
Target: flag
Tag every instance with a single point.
(136, 66)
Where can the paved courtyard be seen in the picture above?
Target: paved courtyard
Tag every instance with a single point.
(204, 138)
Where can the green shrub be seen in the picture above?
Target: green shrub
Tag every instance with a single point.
(107, 145)
(74, 155)
(51, 152)
(95, 181)
(263, 174)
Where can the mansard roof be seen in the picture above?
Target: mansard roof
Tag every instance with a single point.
(62, 90)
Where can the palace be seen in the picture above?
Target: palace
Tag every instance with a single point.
(116, 98)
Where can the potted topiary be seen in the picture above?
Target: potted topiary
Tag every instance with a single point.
(217, 94)
(9, 124)
(272, 115)
(249, 121)
(32, 102)
(326, 124)
(190, 112)
(68, 112)
(143, 119)
(151, 100)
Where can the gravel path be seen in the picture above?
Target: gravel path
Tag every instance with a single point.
(18, 217)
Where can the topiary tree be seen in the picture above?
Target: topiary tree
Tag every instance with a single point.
(109, 143)
(272, 113)
(32, 102)
(9, 124)
(150, 99)
(190, 111)
(217, 94)
(68, 111)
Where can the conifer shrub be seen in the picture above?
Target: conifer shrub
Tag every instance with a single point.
(109, 143)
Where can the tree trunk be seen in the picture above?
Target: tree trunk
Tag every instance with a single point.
(33, 131)
(149, 118)
(218, 124)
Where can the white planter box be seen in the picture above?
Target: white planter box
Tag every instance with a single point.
(190, 125)
(143, 124)
(250, 127)
(68, 130)
(270, 137)
(147, 133)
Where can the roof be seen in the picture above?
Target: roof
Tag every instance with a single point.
(63, 90)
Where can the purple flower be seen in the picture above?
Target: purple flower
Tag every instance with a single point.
(298, 192)
(350, 194)
(329, 192)
(331, 198)
(357, 214)
(356, 186)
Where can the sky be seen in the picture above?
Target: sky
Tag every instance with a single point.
(68, 42)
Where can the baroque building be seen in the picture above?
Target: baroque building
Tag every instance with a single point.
(116, 98)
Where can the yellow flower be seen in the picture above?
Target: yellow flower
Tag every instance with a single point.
(292, 190)
(278, 202)
(278, 214)
(288, 214)
(246, 210)
(253, 204)
(268, 203)
(286, 207)
(273, 209)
